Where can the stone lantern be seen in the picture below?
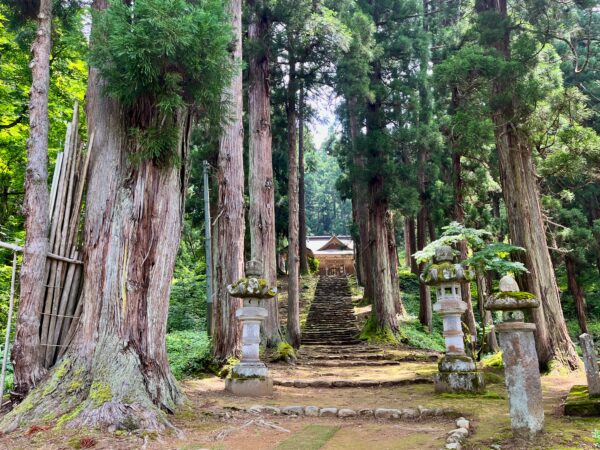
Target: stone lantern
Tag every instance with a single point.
(519, 357)
(457, 370)
(251, 377)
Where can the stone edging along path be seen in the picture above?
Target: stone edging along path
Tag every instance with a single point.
(454, 440)
(350, 383)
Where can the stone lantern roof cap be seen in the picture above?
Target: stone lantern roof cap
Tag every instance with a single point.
(252, 286)
(444, 270)
(510, 297)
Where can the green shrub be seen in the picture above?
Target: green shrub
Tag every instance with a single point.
(409, 282)
(313, 264)
(285, 352)
(189, 353)
(187, 307)
(414, 334)
(494, 360)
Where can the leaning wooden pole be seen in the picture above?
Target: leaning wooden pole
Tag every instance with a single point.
(11, 305)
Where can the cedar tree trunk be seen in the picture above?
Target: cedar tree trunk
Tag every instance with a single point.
(577, 292)
(116, 374)
(293, 320)
(526, 223)
(261, 187)
(301, 187)
(28, 368)
(229, 261)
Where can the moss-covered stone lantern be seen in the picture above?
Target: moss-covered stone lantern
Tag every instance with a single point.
(251, 377)
(457, 370)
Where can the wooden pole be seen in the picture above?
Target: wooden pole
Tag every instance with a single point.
(18, 248)
(11, 305)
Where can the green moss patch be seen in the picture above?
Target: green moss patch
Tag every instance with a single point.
(579, 403)
(311, 437)
(372, 333)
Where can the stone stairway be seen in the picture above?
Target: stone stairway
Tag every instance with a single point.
(331, 318)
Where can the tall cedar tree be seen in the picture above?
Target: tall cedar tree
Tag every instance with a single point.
(116, 373)
(25, 356)
(229, 263)
(261, 185)
(521, 192)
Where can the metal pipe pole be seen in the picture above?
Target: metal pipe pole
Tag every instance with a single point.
(11, 305)
(208, 250)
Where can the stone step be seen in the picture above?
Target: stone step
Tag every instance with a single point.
(340, 383)
(348, 363)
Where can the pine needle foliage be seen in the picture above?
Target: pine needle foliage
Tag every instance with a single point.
(158, 56)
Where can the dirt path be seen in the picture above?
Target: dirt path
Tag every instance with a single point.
(208, 421)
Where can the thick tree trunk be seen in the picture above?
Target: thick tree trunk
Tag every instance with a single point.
(526, 224)
(393, 257)
(28, 368)
(116, 374)
(407, 243)
(459, 216)
(425, 311)
(261, 187)
(229, 259)
(577, 292)
(293, 322)
(414, 267)
(491, 343)
(301, 186)
(385, 304)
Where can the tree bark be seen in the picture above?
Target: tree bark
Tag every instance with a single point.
(521, 196)
(261, 187)
(229, 259)
(301, 186)
(577, 292)
(487, 322)
(384, 285)
(414, 267)
(385, 304)
(293, 322)
(28, 368)
(407, 243)
(459, 216)
(116, 374)
(425, 308)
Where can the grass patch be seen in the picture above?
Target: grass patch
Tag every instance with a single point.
(311, 437)
(486, 395)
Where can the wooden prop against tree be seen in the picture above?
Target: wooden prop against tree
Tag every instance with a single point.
(63, 275)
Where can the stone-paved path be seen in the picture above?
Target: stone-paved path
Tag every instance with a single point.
(331, 318)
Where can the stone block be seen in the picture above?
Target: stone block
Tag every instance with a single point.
(591, 364)
(346, 412)
(292, 411)
(250, 387)
(385, 413)
(311, 411)
(365, 412)
(459, 382)
(328, 412)
(410, 413)
(260, 409)
(461, 422)
(580, 404)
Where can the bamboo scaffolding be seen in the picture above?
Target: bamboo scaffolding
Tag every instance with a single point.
(64, 271)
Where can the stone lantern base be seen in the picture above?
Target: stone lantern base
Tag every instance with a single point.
(250, 387)
(458, 374)
(250, 379)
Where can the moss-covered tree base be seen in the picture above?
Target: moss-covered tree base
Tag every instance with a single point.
(113, 392)
(580, 404)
